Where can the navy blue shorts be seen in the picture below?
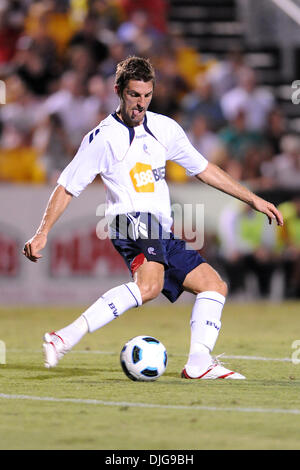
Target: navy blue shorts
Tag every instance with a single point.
(172, 252)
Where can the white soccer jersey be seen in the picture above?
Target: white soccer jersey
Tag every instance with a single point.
(131, 162)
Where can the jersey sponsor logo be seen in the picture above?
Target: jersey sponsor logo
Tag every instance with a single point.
(159, 173)
(143, 177)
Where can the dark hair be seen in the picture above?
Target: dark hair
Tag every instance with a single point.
(134, 68)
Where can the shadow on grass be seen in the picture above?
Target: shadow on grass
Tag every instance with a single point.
(46, 374)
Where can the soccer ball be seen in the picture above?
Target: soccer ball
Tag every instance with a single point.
(144, 358)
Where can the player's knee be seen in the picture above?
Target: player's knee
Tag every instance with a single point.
(150, 291)
(222, 288)
(219, 286)
(216, 285)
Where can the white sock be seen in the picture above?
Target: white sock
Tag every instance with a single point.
(108, 307)
(73, 333)
(112, 304)
(205, 327)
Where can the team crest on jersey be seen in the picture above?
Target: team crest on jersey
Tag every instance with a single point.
(143, 177)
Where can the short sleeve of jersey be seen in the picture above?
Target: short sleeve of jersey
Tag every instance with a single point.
(89, 161)
(181, 151)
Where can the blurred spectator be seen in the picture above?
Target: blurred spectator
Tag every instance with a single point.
(275, 130)
(255, 101)
(247, 246)
(57, 19)
(104, 91)
(289, 247)
(11, 25)
(190, 63)
(35, 63)
(284, 169)
(88, 37)
(251, 170)
(19, 160)
(163, 101)
(78, 10)
(80, 60)
(205, 141)
(224, 74)
(238, 139)
(170, 86)
(40, 40)
(53, 145)
(117, 52)
(22, 109)
(157, 11)
(140, 37)
(201, 100)
(109, 14)
(70, 102)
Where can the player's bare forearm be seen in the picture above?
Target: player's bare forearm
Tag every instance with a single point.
(58, 202)
(219, 179)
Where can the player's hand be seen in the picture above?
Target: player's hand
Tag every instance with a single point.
(33, 247)
(269, 209)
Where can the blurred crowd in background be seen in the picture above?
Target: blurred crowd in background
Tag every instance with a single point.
(58, 59)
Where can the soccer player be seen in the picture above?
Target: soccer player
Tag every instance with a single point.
(129, 149)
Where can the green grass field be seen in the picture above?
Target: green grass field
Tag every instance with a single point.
(88, 403)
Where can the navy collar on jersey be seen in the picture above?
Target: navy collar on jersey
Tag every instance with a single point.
(131, 129)
(145, 124)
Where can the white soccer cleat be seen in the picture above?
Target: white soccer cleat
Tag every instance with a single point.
(54, 349)
(215, 371)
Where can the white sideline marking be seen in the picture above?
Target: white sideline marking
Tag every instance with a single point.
(111, 353)
(246, 358)
(259, 358)
(147, 405)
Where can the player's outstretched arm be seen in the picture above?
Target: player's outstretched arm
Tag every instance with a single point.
(58, 202)
(219, 179)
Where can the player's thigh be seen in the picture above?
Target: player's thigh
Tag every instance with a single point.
(204, 278)
(150, 279)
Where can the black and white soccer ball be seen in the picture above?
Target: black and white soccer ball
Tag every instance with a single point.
(144, 358)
